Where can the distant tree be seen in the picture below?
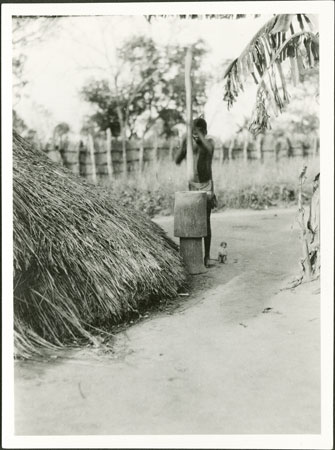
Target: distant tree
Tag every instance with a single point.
(22, 128)
(102, 96)
(89, 127)
(170, 117)
(18, 123)
(119, 99)
(299, 122)
(154, 89)
(145, 85)
(171, 105)
(27, 31)
(61, 130)
(18, 79)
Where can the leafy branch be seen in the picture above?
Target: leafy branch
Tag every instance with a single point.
(263, 59)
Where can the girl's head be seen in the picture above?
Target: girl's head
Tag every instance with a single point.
(200, 124)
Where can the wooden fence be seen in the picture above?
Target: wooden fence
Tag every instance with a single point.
(102, 156)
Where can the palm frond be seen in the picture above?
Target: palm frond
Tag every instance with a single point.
(283, 37)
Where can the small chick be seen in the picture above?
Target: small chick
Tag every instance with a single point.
(222, 253)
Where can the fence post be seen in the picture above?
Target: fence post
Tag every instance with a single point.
(141, 155)
(82, 159)
(171, 149)
(259, 147)
(289, 148)
(124, 155)
(109, 153)
(221, 154)
(91, 149)
(155, 149)
(315, 146)
(277, 150)
(230, 150)
(245, 147)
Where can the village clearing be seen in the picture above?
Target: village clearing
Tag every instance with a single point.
(239, 355)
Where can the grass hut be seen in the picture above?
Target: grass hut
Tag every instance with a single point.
(82, 261)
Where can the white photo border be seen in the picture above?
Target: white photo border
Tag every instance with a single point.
(325, 11)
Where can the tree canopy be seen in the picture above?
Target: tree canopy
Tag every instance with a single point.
(152, 91)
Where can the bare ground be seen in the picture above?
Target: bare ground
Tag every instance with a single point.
(238, 356)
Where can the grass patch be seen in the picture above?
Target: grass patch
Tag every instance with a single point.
(237, 184)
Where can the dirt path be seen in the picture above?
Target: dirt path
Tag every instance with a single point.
(217, 364)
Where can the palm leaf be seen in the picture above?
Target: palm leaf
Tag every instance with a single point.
(264, 57)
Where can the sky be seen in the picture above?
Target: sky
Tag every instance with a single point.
(75, 50)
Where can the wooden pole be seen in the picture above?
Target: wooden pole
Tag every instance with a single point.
(91, 149)
(188, 89)
(109, 153)
(190, 207)
(230, 150)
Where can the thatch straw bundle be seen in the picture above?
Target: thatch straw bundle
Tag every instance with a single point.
(81, 260)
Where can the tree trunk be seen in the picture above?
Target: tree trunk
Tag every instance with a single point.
(188, 89)
(109, 153)
(91, 149)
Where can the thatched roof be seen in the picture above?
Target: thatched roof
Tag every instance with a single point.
(81, 260)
